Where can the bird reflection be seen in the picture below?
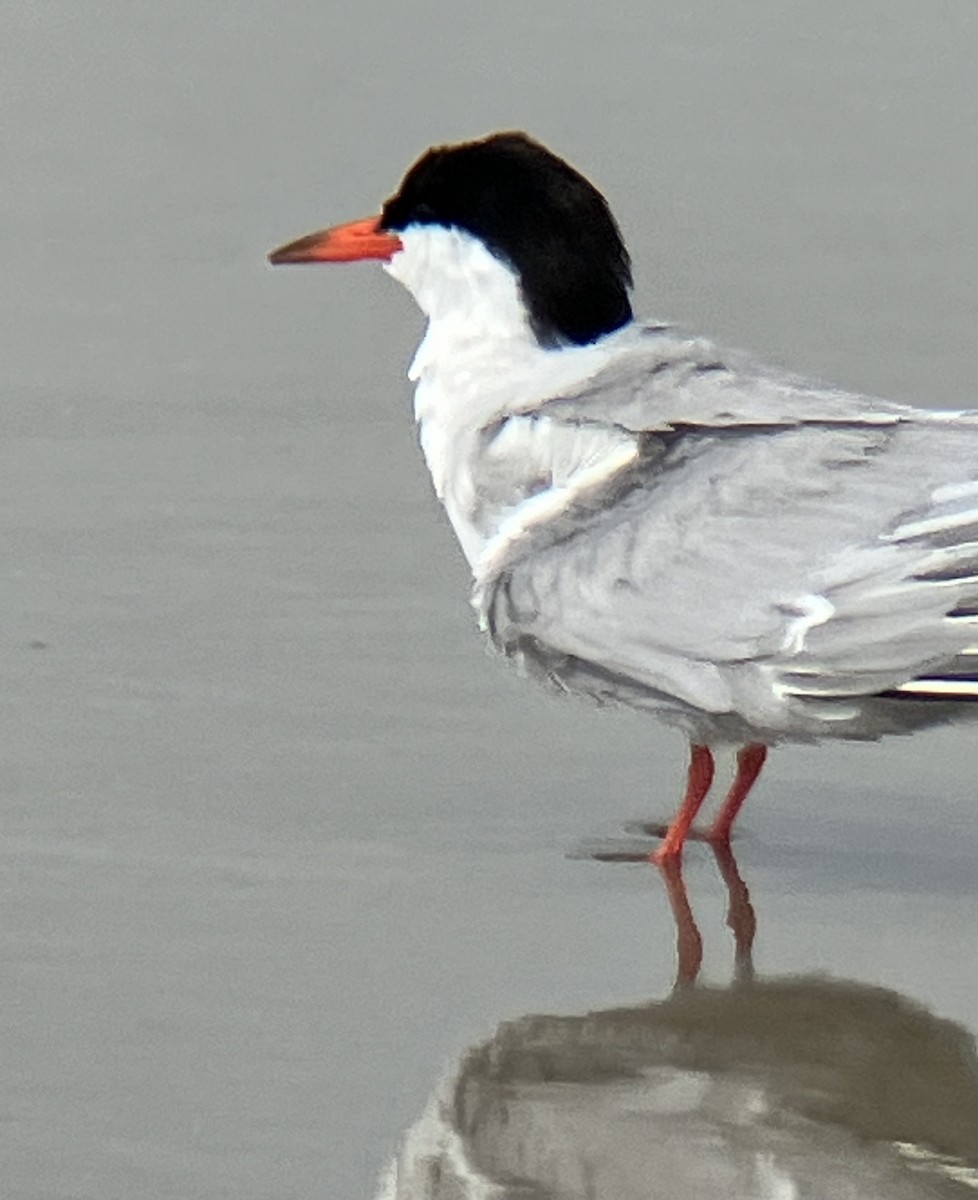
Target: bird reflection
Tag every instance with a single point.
(799, 1088)
(741, 918)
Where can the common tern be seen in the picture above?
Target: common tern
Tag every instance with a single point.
(657, 521)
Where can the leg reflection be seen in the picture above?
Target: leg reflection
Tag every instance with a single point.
(741, 918)
(689, 941)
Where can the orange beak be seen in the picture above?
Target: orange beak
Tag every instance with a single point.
(342, 243)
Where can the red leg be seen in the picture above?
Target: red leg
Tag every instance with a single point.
(698, 783)
(750, 760)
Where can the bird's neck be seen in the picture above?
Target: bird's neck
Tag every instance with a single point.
(452, 276)
(478, 364)
(486, 449)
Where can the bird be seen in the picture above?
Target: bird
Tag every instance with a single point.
(656, 521)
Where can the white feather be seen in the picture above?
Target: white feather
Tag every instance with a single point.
(950, 688)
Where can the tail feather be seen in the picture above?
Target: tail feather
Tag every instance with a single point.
(957, 680)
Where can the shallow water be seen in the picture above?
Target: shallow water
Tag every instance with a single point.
(282, 846)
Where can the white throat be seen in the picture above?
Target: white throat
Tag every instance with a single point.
(478, 364)
(459, 285)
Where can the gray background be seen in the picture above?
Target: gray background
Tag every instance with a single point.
(277, 837)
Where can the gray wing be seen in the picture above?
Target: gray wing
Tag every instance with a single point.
(664, 380)
(746, 562)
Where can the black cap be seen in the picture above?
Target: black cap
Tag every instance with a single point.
(536, 214)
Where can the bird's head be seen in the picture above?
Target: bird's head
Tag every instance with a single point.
(499, 220)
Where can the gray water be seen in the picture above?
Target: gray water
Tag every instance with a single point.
(279, 842)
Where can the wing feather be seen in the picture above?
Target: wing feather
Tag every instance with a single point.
(666, 380)
(806, 557)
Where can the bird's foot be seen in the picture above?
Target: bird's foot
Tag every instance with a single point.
(711, 835)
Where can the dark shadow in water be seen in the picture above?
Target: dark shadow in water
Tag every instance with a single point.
(799, 1088)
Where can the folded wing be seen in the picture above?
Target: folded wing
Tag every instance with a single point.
(775, 540)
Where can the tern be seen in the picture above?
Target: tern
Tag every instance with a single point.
(653, 520)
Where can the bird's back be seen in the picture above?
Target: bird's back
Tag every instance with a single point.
(774, 554)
